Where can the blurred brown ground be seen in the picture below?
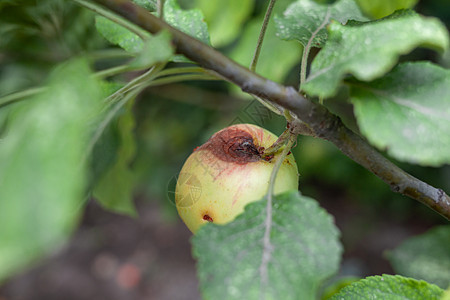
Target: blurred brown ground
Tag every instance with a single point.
(116, 257)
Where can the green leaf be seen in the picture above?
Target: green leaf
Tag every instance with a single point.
(149, 5)
(446, 294)
(306, 19)
(42, 172)
(277, 57)
(225, 22)
(371, 49)
(304, 251)
(337, 286)
(157, 48)
(104, 150)
(104, 154)
(389, 287)
(114, 190)
(190, 22)
(407, 112)
(118, 35)
(425, 257)
(381, 8)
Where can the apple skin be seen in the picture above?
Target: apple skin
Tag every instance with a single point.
(226, 173)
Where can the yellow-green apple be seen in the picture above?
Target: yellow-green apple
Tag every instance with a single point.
(227, 172)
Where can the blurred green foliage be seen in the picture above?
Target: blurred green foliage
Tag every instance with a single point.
(224, 21)
(43, 166)
(425, 257)
(36, 35)
(382, 8)
(119, 174)
(172, 120)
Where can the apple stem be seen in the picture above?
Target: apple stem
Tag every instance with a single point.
(293, 127)
(278, 144)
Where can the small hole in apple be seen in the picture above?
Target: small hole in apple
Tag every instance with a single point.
(207, 218)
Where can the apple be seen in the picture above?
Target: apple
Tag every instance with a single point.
(227, 172)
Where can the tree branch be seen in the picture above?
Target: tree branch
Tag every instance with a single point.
(324, 124)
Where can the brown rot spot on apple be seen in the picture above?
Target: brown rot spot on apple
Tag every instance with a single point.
(233, 145)
(208, 218)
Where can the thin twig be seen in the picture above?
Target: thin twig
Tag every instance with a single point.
(25, 94)
(267, 245)
(112, 71)
(261, 35)
(109, 54)
(307, 49)
(181, 70)
(113, 17)
(143, 79)
(270, 105)
(160, 7)
(182, 77)
(118, 100)
(324, 124)
(19, 96)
